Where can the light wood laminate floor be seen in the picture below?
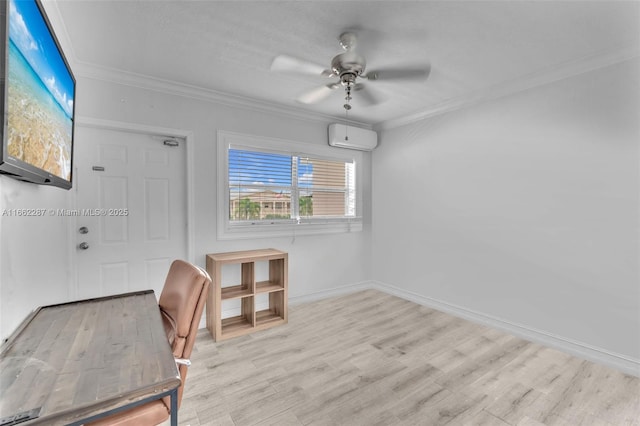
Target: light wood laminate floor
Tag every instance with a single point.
(369, 358)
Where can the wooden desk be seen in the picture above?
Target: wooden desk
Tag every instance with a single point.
(84, 360)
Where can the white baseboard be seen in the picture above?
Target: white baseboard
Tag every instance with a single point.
(617, 361)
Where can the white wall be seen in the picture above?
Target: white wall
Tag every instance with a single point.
(36, 252)
(523, 209)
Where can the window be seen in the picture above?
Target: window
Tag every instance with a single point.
(261, 182)
(269, 189)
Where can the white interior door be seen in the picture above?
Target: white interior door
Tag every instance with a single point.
(131, 210)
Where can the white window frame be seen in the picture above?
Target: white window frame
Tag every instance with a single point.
(227, 229)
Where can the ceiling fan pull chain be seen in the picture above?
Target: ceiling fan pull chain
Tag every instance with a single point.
(347, 98)
(347, 107)
(346, 127)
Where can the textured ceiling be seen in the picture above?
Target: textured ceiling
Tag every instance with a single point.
(474, 48)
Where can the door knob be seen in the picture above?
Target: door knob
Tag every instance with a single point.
(83, 246)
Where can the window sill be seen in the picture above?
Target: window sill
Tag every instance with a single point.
(262, 230)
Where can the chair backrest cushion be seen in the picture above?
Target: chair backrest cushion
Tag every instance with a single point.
(181, 303)
(184, 291)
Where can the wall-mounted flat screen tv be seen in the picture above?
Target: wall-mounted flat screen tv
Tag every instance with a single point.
(39, 93)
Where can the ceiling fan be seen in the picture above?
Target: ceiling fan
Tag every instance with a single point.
(349, 67)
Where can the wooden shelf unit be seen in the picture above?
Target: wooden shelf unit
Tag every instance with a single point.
(249, 319)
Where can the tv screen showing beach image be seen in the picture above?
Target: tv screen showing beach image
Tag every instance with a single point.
(40, 94)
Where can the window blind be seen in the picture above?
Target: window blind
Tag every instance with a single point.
(328, 185)
(267, 187)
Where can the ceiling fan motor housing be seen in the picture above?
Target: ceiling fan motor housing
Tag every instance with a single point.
(348, 66)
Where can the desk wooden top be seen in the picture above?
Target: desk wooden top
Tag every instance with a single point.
(81, 358)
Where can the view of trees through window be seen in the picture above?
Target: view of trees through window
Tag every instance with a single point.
(268, 186)
(245, 209)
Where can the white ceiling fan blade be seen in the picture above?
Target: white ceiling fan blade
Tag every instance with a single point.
(317, 94)
(285, 63)
(400, 73)
(363, 94)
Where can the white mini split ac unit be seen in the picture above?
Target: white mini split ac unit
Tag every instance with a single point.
(352, 137)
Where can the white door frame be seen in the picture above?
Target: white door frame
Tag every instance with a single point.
(187, 135)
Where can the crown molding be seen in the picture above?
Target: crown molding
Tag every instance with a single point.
(140, 81)
(550, 75)
(544, 77)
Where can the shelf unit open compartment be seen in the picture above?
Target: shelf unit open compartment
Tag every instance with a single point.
(246, 286)
(276, 281)
(275, 313)
(239, 324)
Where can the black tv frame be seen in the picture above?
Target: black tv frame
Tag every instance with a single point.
(10, 166)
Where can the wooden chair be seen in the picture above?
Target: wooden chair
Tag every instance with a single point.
(181, 304)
